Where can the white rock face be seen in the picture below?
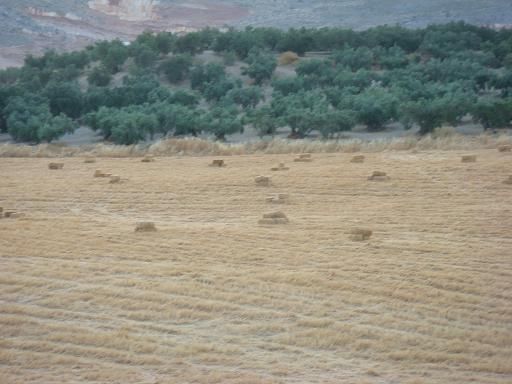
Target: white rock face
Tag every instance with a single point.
(132, 10)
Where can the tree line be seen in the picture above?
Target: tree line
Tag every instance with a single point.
(158, 84)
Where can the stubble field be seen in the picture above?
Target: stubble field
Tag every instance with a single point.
(214, 297)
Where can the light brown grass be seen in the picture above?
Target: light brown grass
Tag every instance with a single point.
(200, 147)
(288, 57)
(214, 297)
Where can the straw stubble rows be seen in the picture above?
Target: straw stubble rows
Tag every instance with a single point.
(212, 296)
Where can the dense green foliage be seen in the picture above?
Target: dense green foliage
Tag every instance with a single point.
(159, 85)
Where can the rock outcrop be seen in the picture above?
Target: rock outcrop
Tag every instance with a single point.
(132, 10)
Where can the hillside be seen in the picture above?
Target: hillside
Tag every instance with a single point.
(32, 26)
(267, 81)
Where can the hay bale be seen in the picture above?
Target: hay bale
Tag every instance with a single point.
(114, 179)
(145, 226)
(218, 163)
(12, 215)
(304, 158)
(89, 160)
(280, 167)
(359, 234)
(279, 198)
(272, 221)
(378, 176)
(262, 181)
(274, 218)
(508, 181)
(505, 148)
(148, 159)
(274, 215)
(358, 159)
(56, 166)
(469, 159)
(99, 173)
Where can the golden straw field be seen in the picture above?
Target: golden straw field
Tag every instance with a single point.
(212, 296)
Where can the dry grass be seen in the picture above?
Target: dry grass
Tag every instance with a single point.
(199, 147)
(213, 297)
(287, 58)
(444, 132)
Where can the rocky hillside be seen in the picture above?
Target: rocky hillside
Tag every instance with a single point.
(32, 26)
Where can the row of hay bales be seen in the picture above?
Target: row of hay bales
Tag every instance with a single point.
(277, 217)
(357, 234)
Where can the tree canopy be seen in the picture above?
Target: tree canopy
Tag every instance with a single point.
(169, 84)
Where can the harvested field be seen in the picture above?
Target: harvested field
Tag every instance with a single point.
(213, 297)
